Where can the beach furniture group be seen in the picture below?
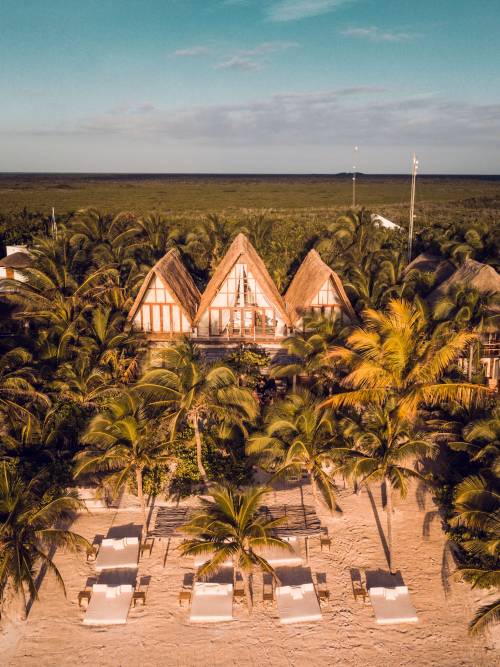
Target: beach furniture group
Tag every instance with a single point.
(291, 591)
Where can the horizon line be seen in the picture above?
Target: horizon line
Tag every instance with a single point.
(246, 174)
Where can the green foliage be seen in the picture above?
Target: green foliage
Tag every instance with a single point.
(155, 479)
(247, 361)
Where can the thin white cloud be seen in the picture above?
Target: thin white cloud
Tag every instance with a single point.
(240, 63)
(269, 47)
(294, 10)
(193, 51)
(375, 34)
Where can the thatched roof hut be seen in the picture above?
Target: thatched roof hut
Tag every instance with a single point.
(472, 274)
(312, 274)
(176, 278)
(242, 251)
(428, 263)
(16, 260)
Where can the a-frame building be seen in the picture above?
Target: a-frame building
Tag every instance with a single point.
(317, 290)
(167, 302)
(241, 301)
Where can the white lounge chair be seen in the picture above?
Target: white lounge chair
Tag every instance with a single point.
(298, 604)
(277, 557)
(108, 605)
(211, 602)
(392, 605)
(114, 554)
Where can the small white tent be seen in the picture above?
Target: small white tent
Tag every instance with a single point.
(380, 221)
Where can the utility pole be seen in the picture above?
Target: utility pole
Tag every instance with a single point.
(412, 204)
(54, 224)
(354, 178)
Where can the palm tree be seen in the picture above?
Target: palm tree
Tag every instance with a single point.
(466, 309)
(350, 238)
(81, 381)
(110, 343)
(259, 230)
(208, 242)
(18, 393)
(380, 447)
(306, 353)
(187, 390)
(477, 509)
(376, 279)
(393, 357)
(157, 235)
(299, 435)
(123, 444)
(29, 532)
(481, 440)
(230, 527)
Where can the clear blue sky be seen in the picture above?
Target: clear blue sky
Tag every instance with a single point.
(249, 85)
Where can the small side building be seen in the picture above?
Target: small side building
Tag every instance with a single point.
(485, 279)
(167, 302)
(16, 259)
(317, 290)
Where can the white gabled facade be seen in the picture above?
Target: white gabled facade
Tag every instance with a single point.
(159, 312)
(241, 309)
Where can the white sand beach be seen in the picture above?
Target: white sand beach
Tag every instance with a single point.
(160, 633)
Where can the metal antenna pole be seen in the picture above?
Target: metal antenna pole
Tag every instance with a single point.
(412, 205)
(54, 224)
(354, 178)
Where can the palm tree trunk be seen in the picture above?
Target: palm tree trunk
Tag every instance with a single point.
(140, 494)
(471, 355)
(24, 603)
(248, 591)
(388, 493)
(199, 461)
(314, 488)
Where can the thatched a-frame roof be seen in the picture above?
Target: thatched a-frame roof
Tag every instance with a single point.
(242, 250)
(310, 277)
(473, 274)
(173, 274)
(16, 260)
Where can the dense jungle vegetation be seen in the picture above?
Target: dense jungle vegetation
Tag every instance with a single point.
(383, 400)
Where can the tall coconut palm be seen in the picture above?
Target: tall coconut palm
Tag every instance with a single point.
(187, 390)
(381, 447)
(29, 532)
(123, 442)
(393, 357)
(230, 527)
(299, 435)
(477, 509)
